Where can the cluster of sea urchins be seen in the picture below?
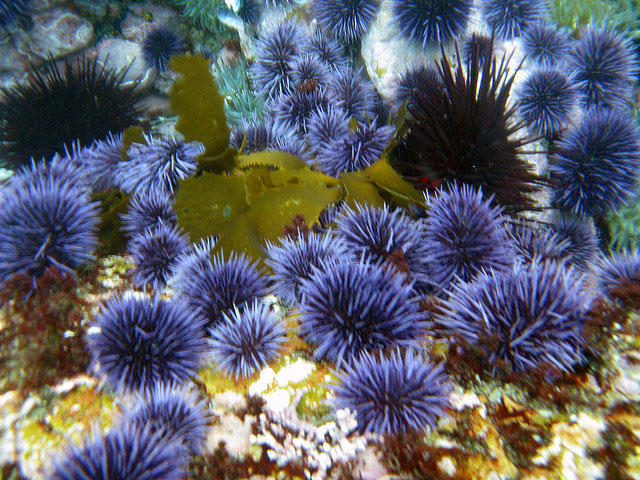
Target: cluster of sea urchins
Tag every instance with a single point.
(371, 288)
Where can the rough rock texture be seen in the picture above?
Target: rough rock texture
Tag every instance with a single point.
(58, 32)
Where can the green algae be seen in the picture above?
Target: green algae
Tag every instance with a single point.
(113, 203)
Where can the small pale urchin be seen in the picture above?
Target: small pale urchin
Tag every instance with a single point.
(394, 394)
(294, 259)
(125, 452)
(142, 341)
(616, 270)
(350, 308)
(178, 413)
(465, 235)
(247, 339)
(521, 318)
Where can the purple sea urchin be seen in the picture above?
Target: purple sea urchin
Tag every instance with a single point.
(416, 79)
(102, 162)
(216, 286)
(431, 21)
(354, 151)
(294, 259)
(464, 235)
(81, 102)
(158, 164)
(159, 45)
(347, 20)
(596, 162)
(603, 64)
(353, 92)
(521, 318)
(580, 239)
(546, 44)
(394, 394)
(295, 109)
(326, 125)
(547, 100)
(247, 339)
(148, 210)
(125, 452)
(537, 242)
(378, 233)
(179, 414)
(617, 269)
(509, 18)
(309, 69)
(143, 341)
(12, 11)
(276, 50)
(351, 308)
(154, 253)
(44, 222)
(327, 49)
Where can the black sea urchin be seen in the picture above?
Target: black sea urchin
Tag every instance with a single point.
(468, 134)
(82, 101)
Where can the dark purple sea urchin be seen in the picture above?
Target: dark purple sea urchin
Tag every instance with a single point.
(465, 131)
(247, 339)
(464, 235)
(347, 20)
(45, 221)
(125, 452)
(82, 101)
(154, 254)
(159, 45)
(595, 163)
(521, 318)
(351, 308)
(213, 286)
(143, 341)
(179, 414)
(294, 259)
(429, 22)
(394, 394)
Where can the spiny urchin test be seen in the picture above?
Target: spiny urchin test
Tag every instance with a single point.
(142, 341)
(393, 394)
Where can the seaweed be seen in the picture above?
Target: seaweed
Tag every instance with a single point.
(41, 340)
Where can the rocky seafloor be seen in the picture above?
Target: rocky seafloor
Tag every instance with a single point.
(281, 420)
